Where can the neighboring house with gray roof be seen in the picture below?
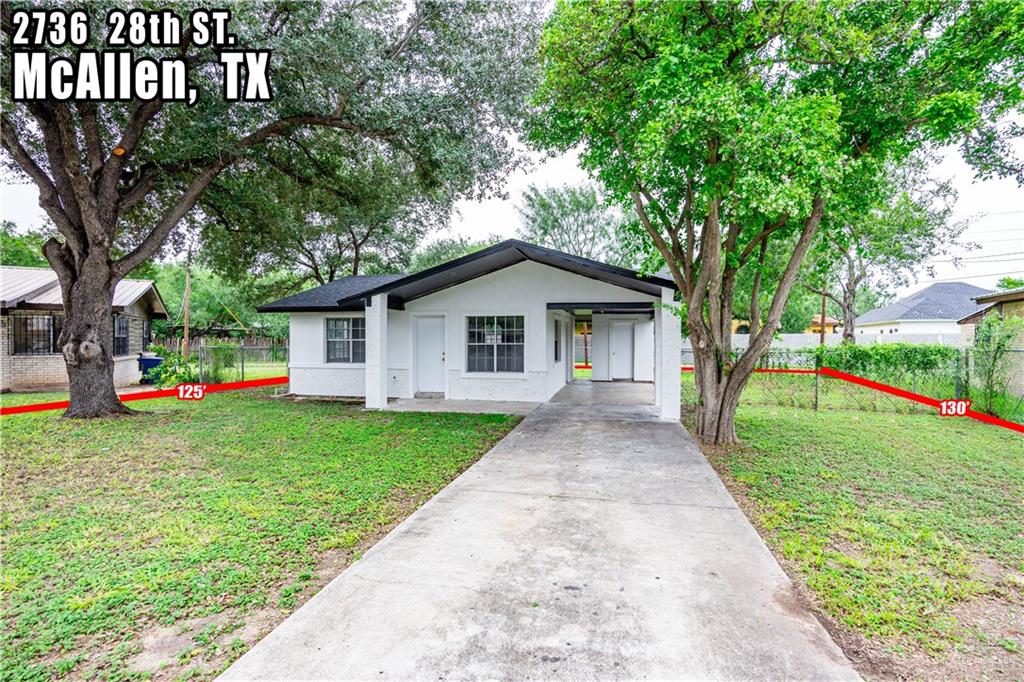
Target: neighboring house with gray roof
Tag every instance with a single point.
(936, 309)
(32, 316)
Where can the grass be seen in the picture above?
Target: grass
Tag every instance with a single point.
(797, 390)
(582, 373)
(215, 512)
(894, 521)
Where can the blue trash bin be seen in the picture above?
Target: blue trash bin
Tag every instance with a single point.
(146, 364)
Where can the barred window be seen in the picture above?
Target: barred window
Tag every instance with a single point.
(346, 339)
(495, 343)
(120, 335)
(35, 334)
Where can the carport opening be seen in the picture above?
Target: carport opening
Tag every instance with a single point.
(611, 341)
(583, 349)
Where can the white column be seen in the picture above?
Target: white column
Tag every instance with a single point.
(659, 331)
(377, 352)
(669, 342)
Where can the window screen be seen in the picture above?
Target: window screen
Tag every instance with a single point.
(346, 339)
(495, 343)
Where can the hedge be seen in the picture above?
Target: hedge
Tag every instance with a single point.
(886, 358)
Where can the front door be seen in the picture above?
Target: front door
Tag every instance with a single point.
(622, 350)
(430, 355)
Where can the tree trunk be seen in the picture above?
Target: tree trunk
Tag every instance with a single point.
(848, 322)
(719, 390)
(87, 339)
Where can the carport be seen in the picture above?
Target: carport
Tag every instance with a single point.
(622, 338)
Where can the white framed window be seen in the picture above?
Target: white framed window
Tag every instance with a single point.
(495, 343)
(346, 339)
(558, 340)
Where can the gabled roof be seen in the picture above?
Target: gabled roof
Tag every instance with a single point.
(350, 292)
(326, 297)
(940, 301)
(507, 253)
(38, 287)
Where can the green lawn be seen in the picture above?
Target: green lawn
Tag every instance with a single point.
(897, 522)
(200, 524)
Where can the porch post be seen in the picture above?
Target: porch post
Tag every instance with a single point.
(669, 344)
(659, 331)
(377, 352)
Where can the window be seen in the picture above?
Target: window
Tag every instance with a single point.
(35, 334)
(147, 332)
(558, 340)
(495, 343)
(120, 335)
(346, 339)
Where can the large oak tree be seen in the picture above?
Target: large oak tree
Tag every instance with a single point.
(440, 83)
(728, 127)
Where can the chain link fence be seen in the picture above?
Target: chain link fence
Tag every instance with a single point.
(223, 363)
(993, 387)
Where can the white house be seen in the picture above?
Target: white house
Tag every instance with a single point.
(933, 310)
(494, 325)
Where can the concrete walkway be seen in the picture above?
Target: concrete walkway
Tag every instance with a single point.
(593, 542)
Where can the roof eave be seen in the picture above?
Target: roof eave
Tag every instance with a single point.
(513, 244)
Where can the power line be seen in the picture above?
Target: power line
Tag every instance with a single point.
(979, 259)
(991, 274)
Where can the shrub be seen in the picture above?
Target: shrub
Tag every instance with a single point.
(174, 370)
(886, 359)
(994, 336)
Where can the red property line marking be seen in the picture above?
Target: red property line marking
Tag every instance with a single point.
(148, 395)
(765, 370)
(917, 397)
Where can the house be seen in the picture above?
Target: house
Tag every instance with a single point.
(32, 316)
(1010, 303)
(832, 325)
(936, 309)
(496, 324)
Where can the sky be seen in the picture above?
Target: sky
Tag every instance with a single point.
(995, 207)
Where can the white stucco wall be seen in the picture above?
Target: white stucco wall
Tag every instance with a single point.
(643, 346)
(522, 289)
(949, 327)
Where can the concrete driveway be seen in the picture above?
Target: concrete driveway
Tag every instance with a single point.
(593, 542)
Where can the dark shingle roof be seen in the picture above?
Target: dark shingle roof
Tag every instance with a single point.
(326, 297)
(940, 301)
(349, 293)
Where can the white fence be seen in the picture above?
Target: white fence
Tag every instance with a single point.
(794, 341)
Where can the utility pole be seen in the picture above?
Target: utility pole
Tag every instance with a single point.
(821, 321)
(188, 294)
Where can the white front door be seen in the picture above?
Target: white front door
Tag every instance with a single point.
(430, 355)
(621, 350)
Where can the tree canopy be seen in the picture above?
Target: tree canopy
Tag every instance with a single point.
(576, 219)
(24, 248)
(438, 86)
(730, 127)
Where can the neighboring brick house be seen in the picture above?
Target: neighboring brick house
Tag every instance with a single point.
(31, 318)
(1009, 304)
